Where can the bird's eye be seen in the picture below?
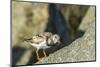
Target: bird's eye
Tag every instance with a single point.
(55, 37)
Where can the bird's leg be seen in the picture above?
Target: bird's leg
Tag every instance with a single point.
(37, 54)
(45, 55)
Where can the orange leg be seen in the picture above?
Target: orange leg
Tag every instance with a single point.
(45, 55)
(38, 55)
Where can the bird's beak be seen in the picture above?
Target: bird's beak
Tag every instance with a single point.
(58, 43)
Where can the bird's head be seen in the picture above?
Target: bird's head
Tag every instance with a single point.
(56, 39)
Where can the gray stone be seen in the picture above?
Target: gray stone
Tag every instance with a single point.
(82, 49)
(88, 18)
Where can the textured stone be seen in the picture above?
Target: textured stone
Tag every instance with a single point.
(82, 49)
(27, 17)
(88, 18)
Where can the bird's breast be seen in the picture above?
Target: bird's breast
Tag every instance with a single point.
(42, 45)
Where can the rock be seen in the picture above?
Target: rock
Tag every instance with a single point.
(25, 58)
(82, 49)
(27, 18)
(88, 18)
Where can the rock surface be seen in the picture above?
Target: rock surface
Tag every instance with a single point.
(26, 20)
(82, 49)
(90, 17)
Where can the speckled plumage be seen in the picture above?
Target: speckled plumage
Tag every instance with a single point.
(44, 40)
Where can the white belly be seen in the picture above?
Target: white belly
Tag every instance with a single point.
(42, 45)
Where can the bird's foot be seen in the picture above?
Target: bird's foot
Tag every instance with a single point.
(45, 55)
(39, 59)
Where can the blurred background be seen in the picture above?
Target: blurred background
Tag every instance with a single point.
(68, 21)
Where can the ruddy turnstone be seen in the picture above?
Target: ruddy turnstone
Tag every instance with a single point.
(43, 41)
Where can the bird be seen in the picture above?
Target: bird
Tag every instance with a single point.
(43, 41)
